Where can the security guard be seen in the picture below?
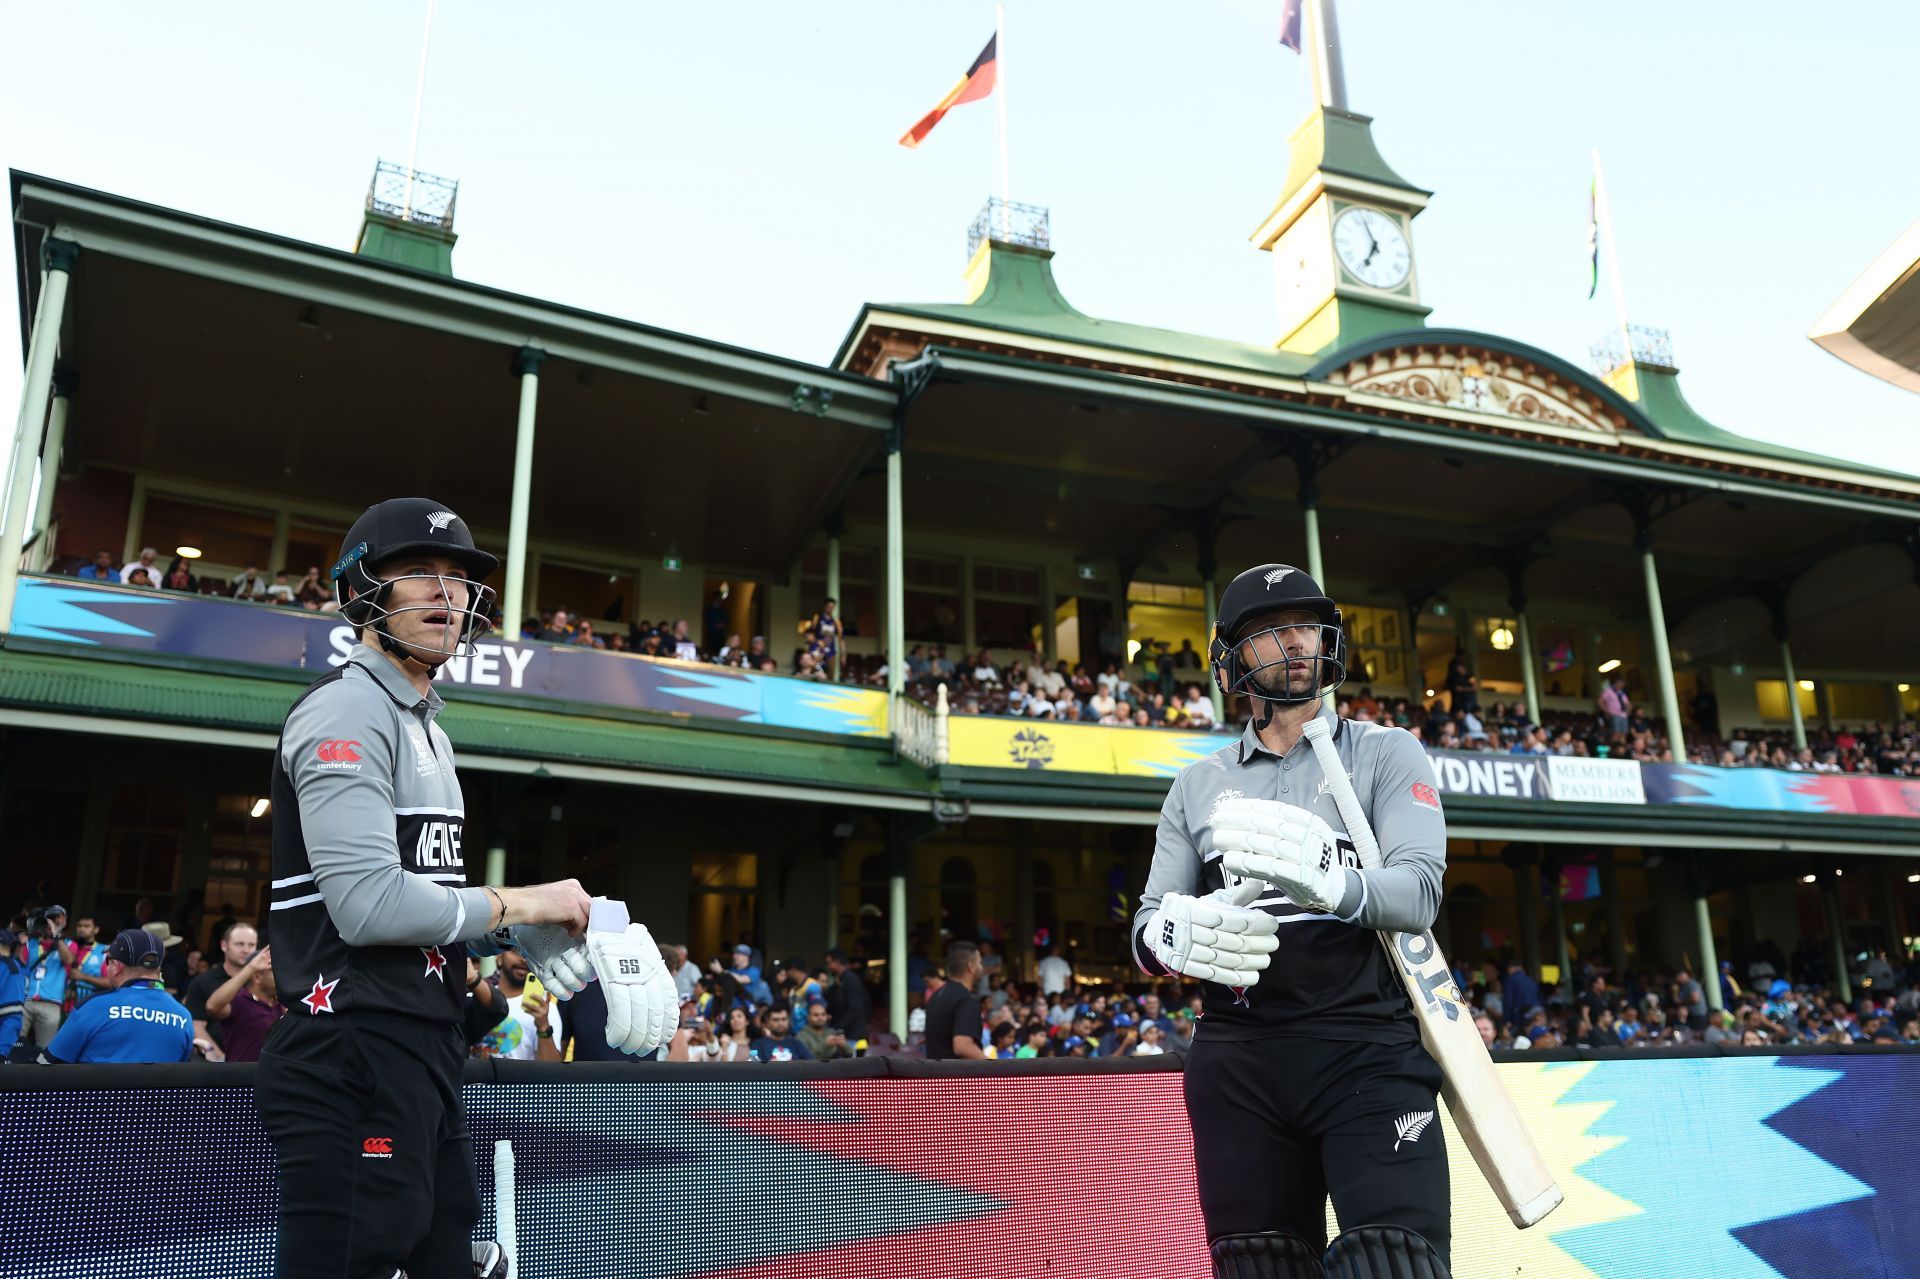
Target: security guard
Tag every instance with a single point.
(1307, 1076)
(135, 1020)
(372, 916)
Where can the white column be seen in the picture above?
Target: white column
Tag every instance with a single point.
(1663, 658)
(833, 593)
(526, 365)
(1213, 617)
(1524, 638)
(277, 555)
(896, 586)
(1310, 517)
(63, 387)
(897, 947)
(1837, 935)
(1709, 974)
(833, 900)
(1793, 696)
(35, 392)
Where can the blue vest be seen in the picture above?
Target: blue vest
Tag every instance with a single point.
(140, 1022)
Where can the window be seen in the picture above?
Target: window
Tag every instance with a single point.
(1162, 593)
(228, 539)
(1770, 695)
(599, 595)
(932, 600)
(1496, 642)
(1376, 647)
(1007, 611)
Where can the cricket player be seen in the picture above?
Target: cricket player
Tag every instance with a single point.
(372, 919)
(1307, 1076)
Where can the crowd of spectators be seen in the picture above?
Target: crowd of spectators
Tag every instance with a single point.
(277, 588)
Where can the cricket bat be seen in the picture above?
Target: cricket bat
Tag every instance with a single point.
(1482, 1110)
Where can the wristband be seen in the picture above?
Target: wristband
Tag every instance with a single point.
(545, 1032)
(499, 901)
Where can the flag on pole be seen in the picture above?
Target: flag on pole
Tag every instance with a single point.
(976, 84)
(1593, 237)
(1290, 24)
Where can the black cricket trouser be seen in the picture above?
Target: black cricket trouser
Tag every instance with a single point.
(1281, 1123)
(376, 1173)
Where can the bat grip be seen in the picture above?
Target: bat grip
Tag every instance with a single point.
(1344, 798)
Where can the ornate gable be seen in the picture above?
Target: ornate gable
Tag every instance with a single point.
(1459, 373)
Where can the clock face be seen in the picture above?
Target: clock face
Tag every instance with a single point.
(1372, 247)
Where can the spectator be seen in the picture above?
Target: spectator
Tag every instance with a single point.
(821, 632)
(848, 1003)
(953, 1014)
(178, 578)
(237, 947)
(746, 973)
(46, 960)
(585, 638)
(559, 628)
(281, 591)
(249, 585)
(686, 977)
(136, 1021)
(778, 1043)
(530, 1025)
(89, 962)
(808, 666)
(312, 593)
(101, 570)
(1519, 993)
(138, 576)
(148, 561)
(246, 1005)
(1056, 974)
(714, 622)
(824, 1041)
(13, 990)
(1615, 705)
(1150, 1044)
(1461, 686)
(735, 1036)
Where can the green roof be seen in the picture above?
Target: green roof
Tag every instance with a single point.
(112, 688)
(1020, 296)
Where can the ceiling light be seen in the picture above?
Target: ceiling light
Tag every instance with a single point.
(1838, 872)
(1913, 879)
(1806, 686)
(1501, 638)
(260, 807)
(1611, 664)
(1429, 692)
(1809, 879)
(188, 552)
(1903, 687)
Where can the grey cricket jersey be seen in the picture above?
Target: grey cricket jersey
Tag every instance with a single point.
(1329, 979)
(370, 897)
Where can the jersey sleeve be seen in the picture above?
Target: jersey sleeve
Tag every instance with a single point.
(339, 750)
(71, 1040)
(1403, 893)
(1175, 869)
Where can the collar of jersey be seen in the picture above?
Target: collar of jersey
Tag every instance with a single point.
(1250, 744)
(391, 681)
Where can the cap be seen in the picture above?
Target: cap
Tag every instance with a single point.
(743, 949)
(163, 934)
(1122, 1019)
(136, 948)
(55, 910)
(1780, 987)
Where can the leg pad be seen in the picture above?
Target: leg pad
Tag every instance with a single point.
(1276, 1254)
(1383, 1252)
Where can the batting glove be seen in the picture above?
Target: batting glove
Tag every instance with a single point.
(1212, 939)
(643, 1005)
(1282, 845)
(559, 961)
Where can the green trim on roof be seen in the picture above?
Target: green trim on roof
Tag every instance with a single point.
(112, 689)
(1657, 392)
(1019, 295)
(1333, 141)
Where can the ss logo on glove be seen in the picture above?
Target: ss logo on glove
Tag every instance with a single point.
(629, 968)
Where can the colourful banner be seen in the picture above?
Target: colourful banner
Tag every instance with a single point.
(1750, 1167)
(100, 616)
(1040, 745)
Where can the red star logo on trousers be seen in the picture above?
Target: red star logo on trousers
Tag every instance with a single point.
(436, 963)
(320, 998)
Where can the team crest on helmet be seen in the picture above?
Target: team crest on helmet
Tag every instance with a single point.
(1275, 577)
(439, 520)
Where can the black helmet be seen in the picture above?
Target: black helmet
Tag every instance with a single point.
(401, 526)
(1275, 588)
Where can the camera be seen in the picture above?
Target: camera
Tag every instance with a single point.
(39, 927)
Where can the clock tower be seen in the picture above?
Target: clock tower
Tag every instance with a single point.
(1341, 234)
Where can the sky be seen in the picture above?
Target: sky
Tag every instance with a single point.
(732, 171)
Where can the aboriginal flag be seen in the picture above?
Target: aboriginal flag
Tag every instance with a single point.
(976, 84)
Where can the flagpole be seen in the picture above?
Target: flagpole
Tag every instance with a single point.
(1000, 92)
(419, 97)
(1604, 213)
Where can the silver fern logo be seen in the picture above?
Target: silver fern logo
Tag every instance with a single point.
(439, 520)
(1408, 1128)
(1275, 577)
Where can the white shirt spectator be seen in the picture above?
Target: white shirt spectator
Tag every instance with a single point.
(149, 561)
(1065, 706)
(1199, 712)
(1056, 975)
(985, 674)
(1471, 728)
(1052, 681)
(1109, 682)
(249, 586)
(1103, 703)
(527, 1045)
(280, 593)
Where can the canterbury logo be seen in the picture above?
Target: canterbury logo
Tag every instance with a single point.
(1274, 578)
(336, 751)
(1408, 1128)
(439, 520)
(377, 1147)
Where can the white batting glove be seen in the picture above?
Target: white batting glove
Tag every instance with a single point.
(559, 961)
(1212, 938)
(1282, 845)
(643, 1006)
